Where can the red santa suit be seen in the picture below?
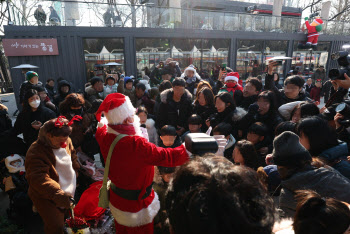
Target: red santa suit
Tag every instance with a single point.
(133, 202)
(312, 34)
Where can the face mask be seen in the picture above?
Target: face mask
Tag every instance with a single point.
(35, 104)
(17, 164)
(230, 85)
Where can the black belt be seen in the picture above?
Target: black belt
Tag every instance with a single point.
(132, 195)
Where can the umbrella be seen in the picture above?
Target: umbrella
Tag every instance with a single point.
(112, 64)
(25, 66)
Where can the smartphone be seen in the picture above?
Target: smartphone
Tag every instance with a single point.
(224, 65)
(279, 62)
(35, 122)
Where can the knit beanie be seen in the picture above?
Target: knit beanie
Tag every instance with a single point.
(287, 150)
(31, 74)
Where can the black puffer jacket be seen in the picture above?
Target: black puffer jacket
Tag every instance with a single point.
(61, 96)
(247, 101)
(5, 121)
(281, 97)
(24, 121)
(174, 113)
(204, 112)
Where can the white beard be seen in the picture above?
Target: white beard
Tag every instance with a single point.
(137, 126)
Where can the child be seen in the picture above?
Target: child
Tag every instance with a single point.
(245, 154)
(168, 137)
(162, 177)
(149, 124)
(194, 125)
(315, 93)
(126, 86)
(226, 129)
(16, 187)
(110, 86)
(258, 135)
(232, 87)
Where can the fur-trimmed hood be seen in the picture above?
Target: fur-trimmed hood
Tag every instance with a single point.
(238, 114)
(168, 94)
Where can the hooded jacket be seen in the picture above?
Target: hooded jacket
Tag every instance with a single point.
(41, 174)
(51, 92)
(174, 113)
(327, 183)
(61, 96)
(337, 158)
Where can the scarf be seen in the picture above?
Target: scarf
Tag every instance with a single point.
(123, 128)
(231, 87)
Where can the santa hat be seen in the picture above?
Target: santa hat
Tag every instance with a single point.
(190, 68)
(318, 21)
(116, 108)
(12, 158)
(232, 76)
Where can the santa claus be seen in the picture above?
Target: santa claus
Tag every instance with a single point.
(133, 202)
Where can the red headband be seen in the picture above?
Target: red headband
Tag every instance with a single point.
(60, 123)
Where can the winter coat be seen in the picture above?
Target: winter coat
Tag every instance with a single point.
(51, 92)
(5, 121)
(107, 89)
(156, 77)
(26, 85)
(337, 158)
(127, 92)
(237, 94)
(92, 94)
(326, 89)
(315, 94)
(61, 96)
(247, 101)
(41, 174)
(277, 84)
(156, 105)
(204, 112)
(230, 146)
(327, 183)
(308, 88)
(24, 121)
(319, 75)
(40, 15)
(174, 113)
(152, 131)
(280, 95)
(148, 103)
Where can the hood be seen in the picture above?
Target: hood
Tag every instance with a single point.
(63, 83)
(150, 123)
(230, 142)
(195, 74)
(336, 152)
(13, 169)
(238, 114)
(168, 94)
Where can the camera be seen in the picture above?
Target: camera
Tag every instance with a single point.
(200, 143)
(344, 110)
(343, 60)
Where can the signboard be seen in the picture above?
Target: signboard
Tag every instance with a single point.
(30, 47)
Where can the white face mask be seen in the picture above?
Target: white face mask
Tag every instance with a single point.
(35, 104)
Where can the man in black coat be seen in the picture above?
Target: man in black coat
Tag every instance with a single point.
(251, 91)
(175, 107)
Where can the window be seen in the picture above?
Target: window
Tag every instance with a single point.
(98, 52)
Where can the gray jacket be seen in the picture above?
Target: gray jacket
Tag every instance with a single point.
(326, 182)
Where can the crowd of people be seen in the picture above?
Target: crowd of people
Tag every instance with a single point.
(284, 166)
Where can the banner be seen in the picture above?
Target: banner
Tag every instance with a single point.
(30, 47)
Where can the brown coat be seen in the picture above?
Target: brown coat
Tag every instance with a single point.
(41, 174)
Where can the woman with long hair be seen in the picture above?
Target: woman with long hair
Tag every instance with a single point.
(204, 105)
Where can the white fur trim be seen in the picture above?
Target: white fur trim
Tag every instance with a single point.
(234, 78)
(143, 217)
(285, 226)
(11, 168)
(238, 114)
(119, 114)
(66, 174)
